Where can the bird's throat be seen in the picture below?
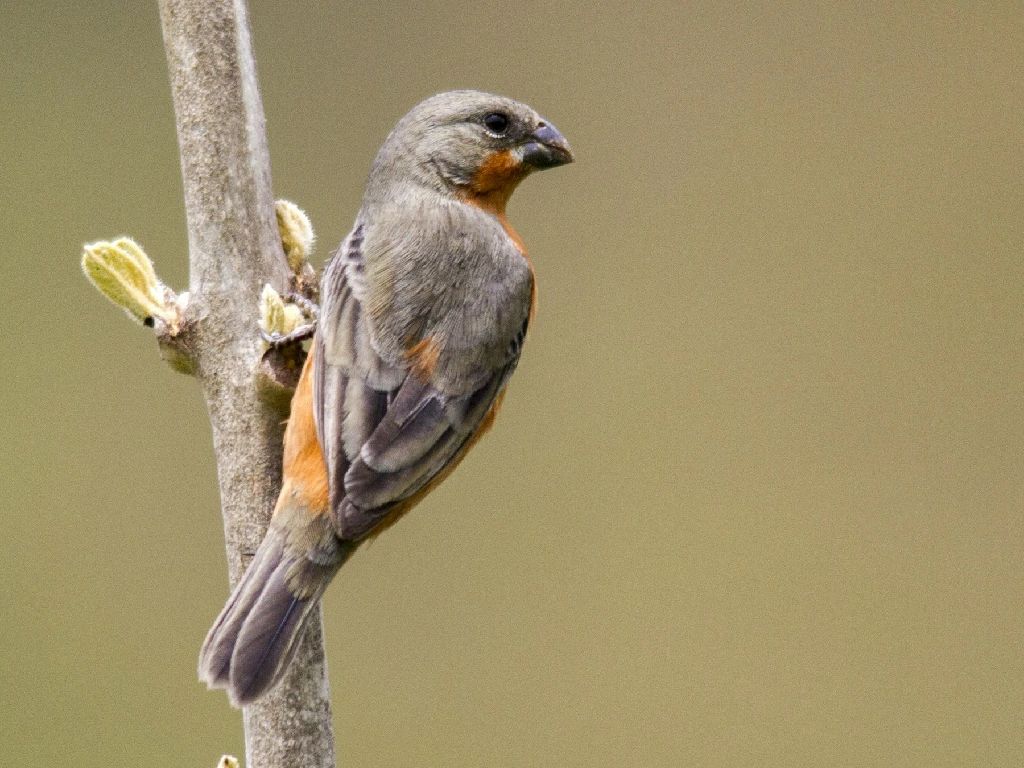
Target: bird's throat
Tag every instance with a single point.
(493, 184)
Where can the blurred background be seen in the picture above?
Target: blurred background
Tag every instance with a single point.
(755, 497)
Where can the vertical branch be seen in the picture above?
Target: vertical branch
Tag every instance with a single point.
(234, 248)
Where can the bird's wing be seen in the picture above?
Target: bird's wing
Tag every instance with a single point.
(386, 435)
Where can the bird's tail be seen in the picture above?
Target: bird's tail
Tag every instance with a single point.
(250, 645)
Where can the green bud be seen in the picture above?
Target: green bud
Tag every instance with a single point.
(123, 273)
(272, 314)
(293, 318)
(297, 237)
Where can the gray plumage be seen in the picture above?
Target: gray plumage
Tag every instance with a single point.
(425, 307)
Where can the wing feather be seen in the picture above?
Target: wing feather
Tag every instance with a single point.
(385, 434)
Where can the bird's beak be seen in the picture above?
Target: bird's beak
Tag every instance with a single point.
(546, 148)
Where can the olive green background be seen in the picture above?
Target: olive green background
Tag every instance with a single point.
(755, 498)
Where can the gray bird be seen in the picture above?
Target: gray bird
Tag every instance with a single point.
(425, 306)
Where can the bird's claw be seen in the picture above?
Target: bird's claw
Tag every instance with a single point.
(277, 340)
(310, 309)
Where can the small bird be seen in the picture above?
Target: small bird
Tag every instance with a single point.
(425, 306)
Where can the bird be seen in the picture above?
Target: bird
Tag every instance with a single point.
(424, 309)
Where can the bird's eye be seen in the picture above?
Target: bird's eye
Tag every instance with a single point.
(496, 123)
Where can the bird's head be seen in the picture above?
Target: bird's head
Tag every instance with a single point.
(474, 145)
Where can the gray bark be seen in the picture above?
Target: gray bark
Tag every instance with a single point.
(234, 248)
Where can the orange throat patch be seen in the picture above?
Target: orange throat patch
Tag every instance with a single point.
(494, 182)
(492, 186)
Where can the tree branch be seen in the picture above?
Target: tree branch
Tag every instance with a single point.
(234, 248)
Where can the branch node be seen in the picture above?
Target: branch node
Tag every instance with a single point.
(277, 375)
(283, 328)
(175, 346)
(123, 273)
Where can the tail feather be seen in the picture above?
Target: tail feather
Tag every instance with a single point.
(215, 654)
(269, 639)
(256, 635)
